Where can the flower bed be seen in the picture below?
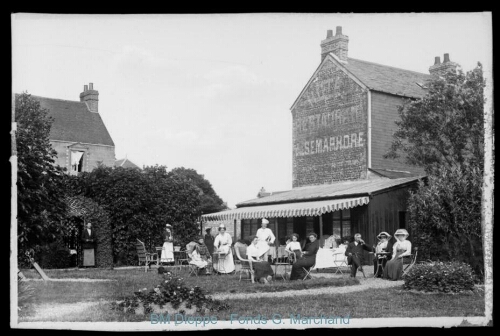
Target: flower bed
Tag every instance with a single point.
(170, 296)
(440, 277)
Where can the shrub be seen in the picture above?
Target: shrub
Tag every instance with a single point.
(443, 277)
(173, 291)
(54, 255)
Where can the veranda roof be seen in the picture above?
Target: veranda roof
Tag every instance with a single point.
(297, 209)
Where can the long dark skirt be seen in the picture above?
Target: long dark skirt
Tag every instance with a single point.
(393, 269)
(297, 271)
(262, 269)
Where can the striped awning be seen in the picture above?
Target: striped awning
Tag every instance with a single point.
(316, 208)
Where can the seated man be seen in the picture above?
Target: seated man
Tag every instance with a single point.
(354, 252)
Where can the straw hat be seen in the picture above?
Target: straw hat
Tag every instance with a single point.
(168, 225)
(401, 232)
(383, 233)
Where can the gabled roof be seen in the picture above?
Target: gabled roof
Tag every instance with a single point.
(377, 77)
(336, 190)
(388, 79)
(126, 163)
(74, 122)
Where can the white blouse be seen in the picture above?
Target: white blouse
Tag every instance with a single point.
(253, 251)
(404, 245)
(222, 240)
(294, 245)
(380, 246)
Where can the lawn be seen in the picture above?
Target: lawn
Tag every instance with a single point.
(373, 303)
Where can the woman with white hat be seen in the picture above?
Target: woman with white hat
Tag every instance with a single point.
(383, 246)
(394, 268)
(266, 238)
(167, 252)
(222, 245)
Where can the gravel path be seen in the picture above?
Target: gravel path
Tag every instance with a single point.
(368, 283)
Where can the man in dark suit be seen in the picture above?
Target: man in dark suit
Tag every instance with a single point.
(354, 252)
(88, 240)
(209, 241)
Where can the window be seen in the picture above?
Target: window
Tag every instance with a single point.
(342, 223)
(402, 219)
(76, 162)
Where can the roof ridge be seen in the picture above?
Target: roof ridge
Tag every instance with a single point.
(64, 100)
(387, 66)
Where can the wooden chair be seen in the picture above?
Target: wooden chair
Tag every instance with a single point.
(145, 257)
(409, 261)
(245, 266)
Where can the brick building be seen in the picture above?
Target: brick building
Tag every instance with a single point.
(78, 133)
(343, 121)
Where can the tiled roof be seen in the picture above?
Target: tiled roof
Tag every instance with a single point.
(74, 122)
(331, 191)
(125, 163)
(388, 79)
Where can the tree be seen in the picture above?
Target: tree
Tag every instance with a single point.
(210, 201)
(40, 183)
(444, 133)
(139, 204)
(444, 128)
(445, 217)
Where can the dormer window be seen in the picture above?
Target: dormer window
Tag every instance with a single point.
(76, 162)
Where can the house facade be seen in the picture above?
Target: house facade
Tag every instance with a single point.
(78, 133)
(343, 124)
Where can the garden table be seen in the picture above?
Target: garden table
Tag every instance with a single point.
(380, 258)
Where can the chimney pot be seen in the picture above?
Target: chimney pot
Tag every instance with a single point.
(329, 33)
(339, 30)
(85, 88)
(91, 86)
(446, 58)
(437, 60)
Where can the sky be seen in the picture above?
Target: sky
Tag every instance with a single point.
(213, 92)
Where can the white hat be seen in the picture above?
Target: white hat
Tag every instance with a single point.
(401, 232)
(384, 233)
(265, 221)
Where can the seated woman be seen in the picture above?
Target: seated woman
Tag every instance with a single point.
(262, 269)
(194, 256)
(294, 246)
(308, 258)
(394, 267)
(382, 246)
(204, 253)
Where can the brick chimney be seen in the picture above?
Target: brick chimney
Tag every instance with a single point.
(439, 69)
(263, 193)
(336, 44)
(90, 97)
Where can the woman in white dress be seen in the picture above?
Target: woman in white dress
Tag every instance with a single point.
(266, 238)
(222, 245)
(167, 252)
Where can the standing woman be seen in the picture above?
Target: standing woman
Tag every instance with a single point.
(308, 258)
(394, 267)
(167, 252)
(88, 237)
(266, 238)
(222, 245)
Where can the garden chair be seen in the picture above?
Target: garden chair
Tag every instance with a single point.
(286, 262)
(145, 257)
(308, 271)
(340, 260)
(245, 266)
(409, 261)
